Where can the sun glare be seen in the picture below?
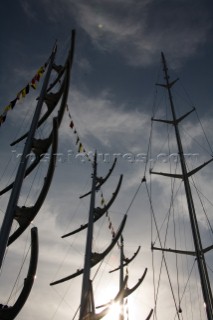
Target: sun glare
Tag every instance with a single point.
(114, 312)
(114, 309)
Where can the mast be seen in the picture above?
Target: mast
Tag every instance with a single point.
(123, 280)
(9, 215)
(121, 316)
(86, 284)
(87, 304)
(199, 252)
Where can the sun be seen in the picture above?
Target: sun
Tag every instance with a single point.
(114, 307)
(114, 312)
(106, 296)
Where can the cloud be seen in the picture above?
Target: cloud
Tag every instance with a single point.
(98, 117)
(136, 31)
(139, 31)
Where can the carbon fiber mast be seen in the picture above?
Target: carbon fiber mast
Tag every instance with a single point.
(199, 251)
(86, 284)
(122, 280)
(8, 219)
(25, 215)
(128, 291)
(87, 303)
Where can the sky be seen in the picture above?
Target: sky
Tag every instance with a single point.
(117, 63)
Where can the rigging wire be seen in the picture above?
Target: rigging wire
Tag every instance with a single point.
(22, 125)
(62, 300)
(202, 204)
(12, 174)
(32, 183)
(186, 285)
(169, 214)
(6, 167)
(176, 256)
(207, 140)
(153, 220)
(195, 140)
(25, 253)
(17, 279)
(198, 293)
(191, 103)
(163, 256)
(149, 153)
(25, 118)
(131, 202)
(171, 208)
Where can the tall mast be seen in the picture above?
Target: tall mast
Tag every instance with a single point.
(86, 284)
(87, 305)
(204, 278)
(121, 316)
(9, 215)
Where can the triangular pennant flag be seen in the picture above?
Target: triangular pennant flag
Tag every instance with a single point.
(71, 124)
(102, 201)
(33, 84)
(77, 140)
(13, 102)
(27, 88)
(19, 95)
(7, 108)
(2, 119)
(23, 92)
(40, 71)
(80, 148)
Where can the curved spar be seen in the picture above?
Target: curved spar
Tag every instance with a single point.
(47, 142)
(127, 261)
(25, 215)
(98, 212)
(118, 298)
(96, 257)
(101, 181)
(10, 312)
(129, 291)
(125, 292)
(51, 100)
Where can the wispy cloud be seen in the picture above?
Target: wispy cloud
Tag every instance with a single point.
(112, 125)
(138, 31)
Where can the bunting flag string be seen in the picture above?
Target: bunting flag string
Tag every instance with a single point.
(23, 92)
(126, 309)
(78, 142)
(110, 225)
